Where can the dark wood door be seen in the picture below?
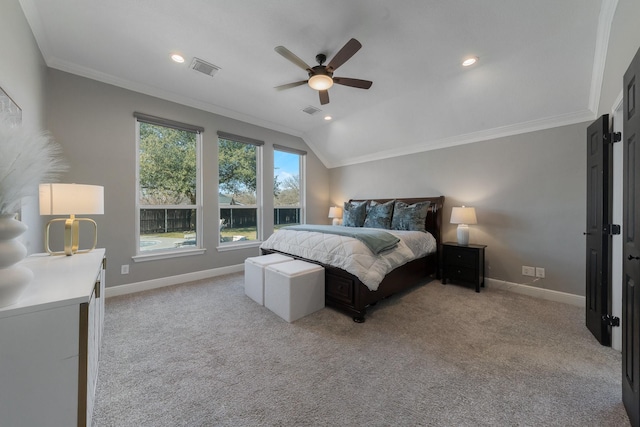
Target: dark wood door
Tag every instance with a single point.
(631, 248)
(599, 212)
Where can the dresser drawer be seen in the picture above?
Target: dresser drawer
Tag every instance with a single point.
(464, 274)
(461, 257)
(339, 288)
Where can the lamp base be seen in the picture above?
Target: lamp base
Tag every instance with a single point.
(71, 236)
(463, 234)
(337, 221)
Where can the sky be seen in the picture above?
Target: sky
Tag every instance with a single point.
(288, 164)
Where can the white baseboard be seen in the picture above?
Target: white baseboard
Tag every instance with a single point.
(171, 280)
(532, 291)
(536, 292)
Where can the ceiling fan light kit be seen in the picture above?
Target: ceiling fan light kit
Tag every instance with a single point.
(320, 82)
(321, 76)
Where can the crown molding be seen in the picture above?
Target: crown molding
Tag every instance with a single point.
(484, 135)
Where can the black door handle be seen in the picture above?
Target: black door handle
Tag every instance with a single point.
(631, 257)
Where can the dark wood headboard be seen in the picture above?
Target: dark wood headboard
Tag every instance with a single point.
(433, 223)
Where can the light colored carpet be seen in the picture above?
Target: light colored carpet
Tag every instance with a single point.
(204, 354)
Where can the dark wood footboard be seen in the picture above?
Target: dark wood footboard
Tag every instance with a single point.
(347, 293)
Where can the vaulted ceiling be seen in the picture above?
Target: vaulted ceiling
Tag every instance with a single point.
(540, 63)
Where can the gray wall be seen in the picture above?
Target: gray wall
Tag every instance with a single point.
(22, 77)
(528, 191)
(94, 123)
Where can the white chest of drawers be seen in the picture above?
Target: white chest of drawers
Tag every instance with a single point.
(50, 343)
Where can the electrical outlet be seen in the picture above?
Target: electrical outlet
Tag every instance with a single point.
(124, 269)
(528, 271)
(540, 272)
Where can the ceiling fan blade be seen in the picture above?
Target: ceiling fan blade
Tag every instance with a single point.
(346, 81)
(324, 96)
(292, 57)
(347, 51)
(290, 85)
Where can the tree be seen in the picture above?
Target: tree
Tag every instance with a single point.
(236, 168)
(289, 192)
(167, 165)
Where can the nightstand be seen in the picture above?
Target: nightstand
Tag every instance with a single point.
(463, 264)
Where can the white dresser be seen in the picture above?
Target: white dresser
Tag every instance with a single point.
(50, 343)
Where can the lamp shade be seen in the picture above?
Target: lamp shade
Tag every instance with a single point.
(71, 199)
(335, 212)
(463, 215)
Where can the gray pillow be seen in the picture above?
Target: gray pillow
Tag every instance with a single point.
(353, 214)
(410, 217)
(379, 214)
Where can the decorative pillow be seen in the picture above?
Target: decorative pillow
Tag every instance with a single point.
(353, 214)
(409, 217)
(379, 214)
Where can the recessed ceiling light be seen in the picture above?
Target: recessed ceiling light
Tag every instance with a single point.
(177, 58)
(327, 118)
(469, 61)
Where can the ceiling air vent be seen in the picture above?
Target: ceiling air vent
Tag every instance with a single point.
(311, 110)
(204, 67)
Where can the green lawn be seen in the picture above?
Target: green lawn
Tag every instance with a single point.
(248, 232)
(174, 235)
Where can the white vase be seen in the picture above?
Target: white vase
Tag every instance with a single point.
(13, 278)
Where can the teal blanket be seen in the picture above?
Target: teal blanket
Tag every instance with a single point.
(377, 241)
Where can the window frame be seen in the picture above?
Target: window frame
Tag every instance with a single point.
(259, 146)
(302, 178)
(198, 207)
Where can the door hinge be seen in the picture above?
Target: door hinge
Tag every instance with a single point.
(611, 229)
(610, 320)
(615, 137)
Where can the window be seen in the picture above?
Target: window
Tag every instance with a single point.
(288, 165)
(239, 188)
(169, 206)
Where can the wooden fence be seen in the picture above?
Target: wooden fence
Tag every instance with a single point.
(155, 221)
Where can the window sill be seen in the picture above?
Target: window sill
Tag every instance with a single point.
(168, 254)
(237, 245)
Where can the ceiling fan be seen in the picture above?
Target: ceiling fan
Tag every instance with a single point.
(321, 76)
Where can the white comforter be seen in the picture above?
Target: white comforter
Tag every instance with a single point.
(350, 254)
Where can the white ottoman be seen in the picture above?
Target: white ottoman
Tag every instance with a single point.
(294, 289)
(254, 274)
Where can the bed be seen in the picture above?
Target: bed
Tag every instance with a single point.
(346, 292)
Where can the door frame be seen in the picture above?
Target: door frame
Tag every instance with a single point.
(617, 240)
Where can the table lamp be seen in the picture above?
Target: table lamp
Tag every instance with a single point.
(72, 200)
(463, 216)
(335, 213)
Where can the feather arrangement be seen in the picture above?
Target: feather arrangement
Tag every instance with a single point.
(27, 158)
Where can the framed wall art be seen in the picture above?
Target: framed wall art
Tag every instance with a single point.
(7, 106)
